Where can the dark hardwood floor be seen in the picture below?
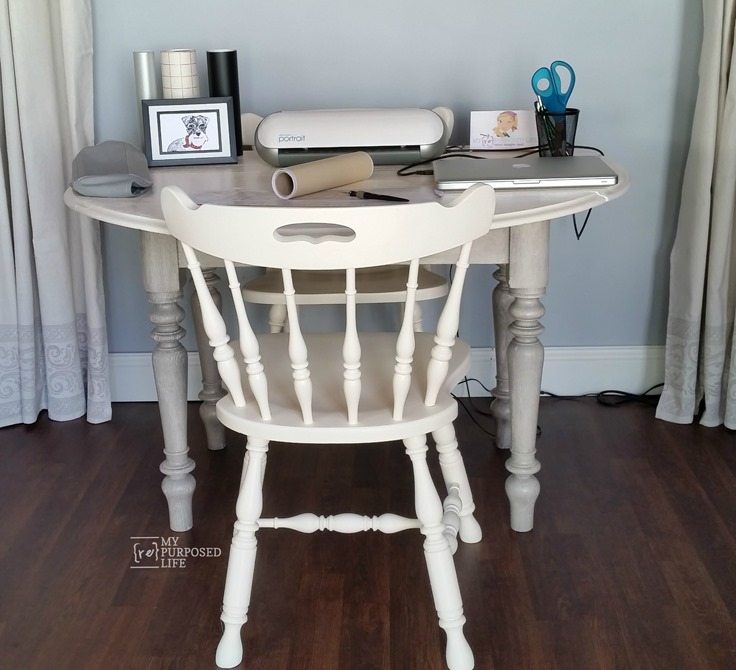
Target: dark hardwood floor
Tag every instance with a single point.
(631, 564)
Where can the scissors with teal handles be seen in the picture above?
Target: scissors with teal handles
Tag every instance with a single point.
(549, 86)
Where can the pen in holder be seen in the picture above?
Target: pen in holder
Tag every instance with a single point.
(556, 132)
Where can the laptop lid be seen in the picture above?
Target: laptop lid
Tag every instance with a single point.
(457, 173)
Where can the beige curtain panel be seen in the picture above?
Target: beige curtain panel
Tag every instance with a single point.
(53, 341)
(700, 365)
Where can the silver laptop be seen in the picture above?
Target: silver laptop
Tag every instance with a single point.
(457, 173)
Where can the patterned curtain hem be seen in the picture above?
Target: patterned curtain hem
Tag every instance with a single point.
(63, 369)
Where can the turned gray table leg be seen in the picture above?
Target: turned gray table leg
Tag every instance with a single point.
(161, 281)
(501, 407)
(528, 273)
(212, 389)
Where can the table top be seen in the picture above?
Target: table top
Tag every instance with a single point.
(249, 183)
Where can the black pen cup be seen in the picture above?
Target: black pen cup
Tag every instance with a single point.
(556, 132)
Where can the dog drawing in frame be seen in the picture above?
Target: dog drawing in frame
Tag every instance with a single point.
(196, 134)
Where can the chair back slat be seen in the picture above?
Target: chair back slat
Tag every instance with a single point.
(351, 350)
(214, 327)
(405, 343)
(376, 235)
(446, 329)
(298, 351)
(249, 345)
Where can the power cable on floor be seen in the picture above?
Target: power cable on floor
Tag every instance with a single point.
(613, 397)
(608, 398)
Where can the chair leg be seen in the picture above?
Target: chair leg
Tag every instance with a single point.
(242, 555)
(277, 317)
(453, 472)
(440, 566)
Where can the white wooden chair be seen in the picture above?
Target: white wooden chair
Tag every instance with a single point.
(373, 285)
(341, 387)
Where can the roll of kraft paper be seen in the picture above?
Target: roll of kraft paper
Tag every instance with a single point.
(322, 174)
(179, 73)
(222, 74)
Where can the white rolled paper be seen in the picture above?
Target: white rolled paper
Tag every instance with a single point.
(321, 175)
(179, 77)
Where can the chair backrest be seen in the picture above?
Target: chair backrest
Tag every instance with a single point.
(328, 238)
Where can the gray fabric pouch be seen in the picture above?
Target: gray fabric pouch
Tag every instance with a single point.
(111, 169)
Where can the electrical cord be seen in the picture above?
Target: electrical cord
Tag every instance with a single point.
(579, 233)
(477, 381)
(475, 409)
(613, 397)
(544, 146)
(472, 418)
(458, 151)
(608, 398)
(402, 172)
(466, 381)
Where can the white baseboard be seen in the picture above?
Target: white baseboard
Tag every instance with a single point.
(567, 371)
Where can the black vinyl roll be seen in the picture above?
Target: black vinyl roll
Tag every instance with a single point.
(222, 73)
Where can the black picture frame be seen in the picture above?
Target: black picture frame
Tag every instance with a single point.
(189, 131)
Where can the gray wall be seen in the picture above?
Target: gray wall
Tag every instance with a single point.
(636, 64)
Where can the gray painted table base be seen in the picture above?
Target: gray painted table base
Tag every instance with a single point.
(501, 405)
(528, 275)
(161, 281)
(212, 389)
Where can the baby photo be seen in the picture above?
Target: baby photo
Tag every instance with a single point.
(502, 129)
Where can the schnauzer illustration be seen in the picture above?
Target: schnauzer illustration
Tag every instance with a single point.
(196, 136)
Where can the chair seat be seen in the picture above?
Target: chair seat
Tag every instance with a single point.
(330, 417)
(327, 287)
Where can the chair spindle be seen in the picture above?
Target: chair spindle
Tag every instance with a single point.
(405, 343)
(351, 350)
(214, 326)
(447, 329)
(249, 345)
(298, 351)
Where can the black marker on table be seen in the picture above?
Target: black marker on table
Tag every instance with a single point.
(367, 195)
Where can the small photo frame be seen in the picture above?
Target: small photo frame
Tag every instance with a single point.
(189, 131)
(503, 129)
